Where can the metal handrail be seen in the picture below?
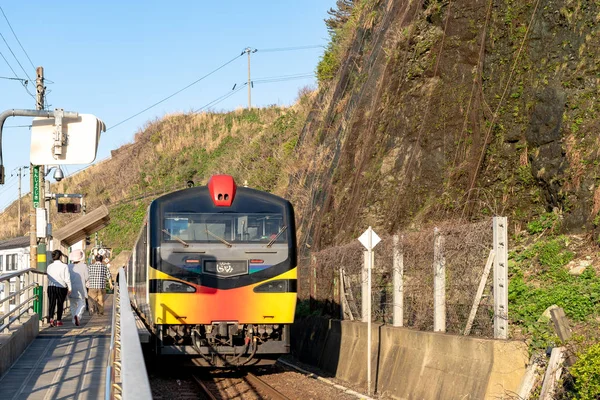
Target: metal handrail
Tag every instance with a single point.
(29, 278)
(125, 356)
(18, 307)
(15, 318)
(15, 294)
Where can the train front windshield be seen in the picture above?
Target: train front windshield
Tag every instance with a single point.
(229, 227)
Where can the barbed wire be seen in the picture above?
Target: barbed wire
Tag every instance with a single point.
(466, 248)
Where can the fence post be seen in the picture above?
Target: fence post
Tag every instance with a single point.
(439, 283)
(6, 306)
(313, 283)
(342, 294)
(398, 267)
(500, 278)
(29, 281)
(364, 287)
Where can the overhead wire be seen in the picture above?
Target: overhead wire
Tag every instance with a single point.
(302, 74)
(314, 46)
(13, 79)
(15, 57)
(9, 66)
(283, 79)
(177, 92)
(223, 97)
(23, 81)
(7, 186)
(220, 98)
(15, 35)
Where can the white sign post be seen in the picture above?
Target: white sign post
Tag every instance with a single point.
(369, 239)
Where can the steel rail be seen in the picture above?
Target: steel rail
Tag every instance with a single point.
(261, 385)
(206, 391)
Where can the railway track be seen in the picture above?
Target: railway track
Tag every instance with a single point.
(234, 385)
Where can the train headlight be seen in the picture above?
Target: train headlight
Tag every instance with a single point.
(277, 286)
(169, 286)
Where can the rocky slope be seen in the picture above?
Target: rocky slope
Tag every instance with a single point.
(455, 109)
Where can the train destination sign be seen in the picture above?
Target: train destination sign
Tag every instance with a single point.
(225, 268)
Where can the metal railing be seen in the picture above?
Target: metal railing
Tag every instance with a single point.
(30, 284)
(126, 376)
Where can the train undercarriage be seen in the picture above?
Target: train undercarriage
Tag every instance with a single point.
(223, 344)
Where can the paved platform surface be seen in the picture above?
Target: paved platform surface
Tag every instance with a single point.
(67, 362)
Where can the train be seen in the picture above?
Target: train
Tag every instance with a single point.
(213, 274)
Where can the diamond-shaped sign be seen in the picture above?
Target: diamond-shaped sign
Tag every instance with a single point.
(369, 239)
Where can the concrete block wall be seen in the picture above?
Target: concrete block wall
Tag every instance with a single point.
(412, 364)
(13, 344)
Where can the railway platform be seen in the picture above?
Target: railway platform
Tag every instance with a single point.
(66, 362)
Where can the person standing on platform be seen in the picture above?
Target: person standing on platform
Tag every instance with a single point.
(59, 287)
(79, 280)
(99, 277)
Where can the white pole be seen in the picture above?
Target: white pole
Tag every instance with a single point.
(365, 282)
(439, 283)
(369, 267)
(500, 233)
(398, 283)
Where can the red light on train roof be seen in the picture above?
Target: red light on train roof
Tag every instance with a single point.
(222, 190)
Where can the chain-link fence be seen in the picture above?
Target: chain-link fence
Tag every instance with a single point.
(466, 249)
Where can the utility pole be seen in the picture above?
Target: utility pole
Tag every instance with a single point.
(37, 181)
(249, 50)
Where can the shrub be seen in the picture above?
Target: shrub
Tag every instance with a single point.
(545, 221)
(329, 64)
(586, 372)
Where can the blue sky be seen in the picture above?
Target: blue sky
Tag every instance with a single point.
(113, 59)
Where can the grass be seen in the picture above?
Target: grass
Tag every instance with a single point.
(539, 279)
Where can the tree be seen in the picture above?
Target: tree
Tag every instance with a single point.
(340, 15)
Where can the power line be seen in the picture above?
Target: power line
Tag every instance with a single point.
(14, 79)
(23, 81)
(15, 35)
(284, 78)
(13, 53)
(223, 97)
(9, 66)
(177, 92)
(314, 46)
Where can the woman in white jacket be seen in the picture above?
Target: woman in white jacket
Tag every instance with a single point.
(59, 287)
(79, 282)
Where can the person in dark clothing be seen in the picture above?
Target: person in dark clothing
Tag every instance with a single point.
(59, 287)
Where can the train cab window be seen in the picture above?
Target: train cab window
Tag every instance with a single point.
(231, 227)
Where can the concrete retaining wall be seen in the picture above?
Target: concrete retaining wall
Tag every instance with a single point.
(13, 344)
(408, 364)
